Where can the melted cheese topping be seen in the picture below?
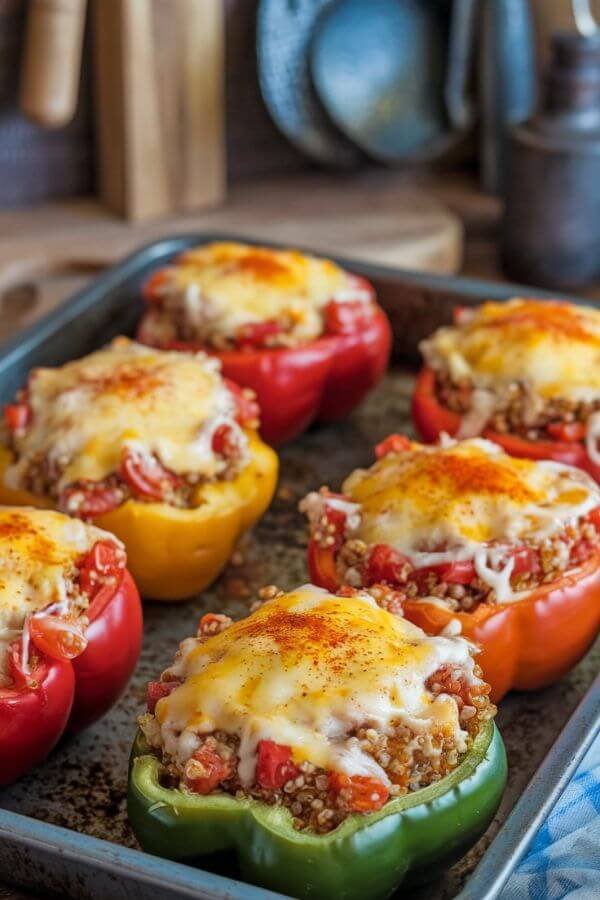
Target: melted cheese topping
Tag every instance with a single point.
(305, 669)
(39, 550)
(552, 347)
(221, 287)
(162, 403)
(442, 504)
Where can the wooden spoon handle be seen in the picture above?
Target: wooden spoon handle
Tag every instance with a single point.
(52, 60)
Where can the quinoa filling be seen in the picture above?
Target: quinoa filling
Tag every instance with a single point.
(319, 800)
(518, 410)
(141, 477)
(178, 316)
(455, 584)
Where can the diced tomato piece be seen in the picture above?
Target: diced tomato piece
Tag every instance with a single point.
(146, 476)
(57, 637)
(594, 518)
(274, 766)
(569, 432)
(247, 409)
(336, 521)
(17, 416)
(461, 572)
(105, 563)
(346, 317)
(322, 567)
(526, 559)
(581, 551)
(88, 499)
(156, 690)
(362, 793)
(212, 770)
(387, 566)
(255, 335)
(224, 441)
(395, 443)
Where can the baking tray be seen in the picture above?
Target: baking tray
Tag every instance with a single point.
(63, 827)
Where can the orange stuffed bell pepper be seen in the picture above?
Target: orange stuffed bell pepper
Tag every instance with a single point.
(523, 374)
(306, 336)
(154, 446)
(462, 538)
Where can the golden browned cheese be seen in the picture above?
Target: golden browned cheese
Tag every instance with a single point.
(552, 347)
(223, 286)
(464, 494)
(162, 403)
(303, 670)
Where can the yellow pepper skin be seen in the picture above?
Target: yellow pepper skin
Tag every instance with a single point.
(173, 553)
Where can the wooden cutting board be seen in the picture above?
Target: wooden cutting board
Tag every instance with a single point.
(49, 252)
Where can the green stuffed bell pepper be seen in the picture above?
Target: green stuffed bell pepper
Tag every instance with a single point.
(334, 748)
(367, 856)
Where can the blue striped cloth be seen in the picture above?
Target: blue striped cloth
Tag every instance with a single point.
(564, 859)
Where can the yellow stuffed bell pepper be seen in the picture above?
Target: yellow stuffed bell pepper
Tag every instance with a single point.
(174, 553)
(175, 547)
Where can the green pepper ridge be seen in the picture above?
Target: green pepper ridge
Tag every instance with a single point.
(366, 857)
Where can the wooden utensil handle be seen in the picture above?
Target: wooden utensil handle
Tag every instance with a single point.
(52, 60)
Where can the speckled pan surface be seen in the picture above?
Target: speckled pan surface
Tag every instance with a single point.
(82, 785)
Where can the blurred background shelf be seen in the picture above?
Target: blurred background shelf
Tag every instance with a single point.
(438, 223)
(49, 251)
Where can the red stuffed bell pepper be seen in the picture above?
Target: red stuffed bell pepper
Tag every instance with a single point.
(301, 332)
(466, 539)
(523, 374)
(70, 631)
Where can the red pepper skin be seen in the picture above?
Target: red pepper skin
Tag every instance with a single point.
(114, 642)
(430, 419)
(525, 645)
(359, 361)
(320, 381)
(72, 694)
(33, 719)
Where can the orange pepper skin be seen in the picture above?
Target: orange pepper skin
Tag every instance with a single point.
(430, 419)
(525, 645)
(534, 642)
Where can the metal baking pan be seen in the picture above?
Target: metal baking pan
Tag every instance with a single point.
(63, 827)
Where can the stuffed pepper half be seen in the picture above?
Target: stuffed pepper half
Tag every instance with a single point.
(304, 334)
(525, 374)
(70, 630)
(154, 446)
(334, 746)
(505, 549)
